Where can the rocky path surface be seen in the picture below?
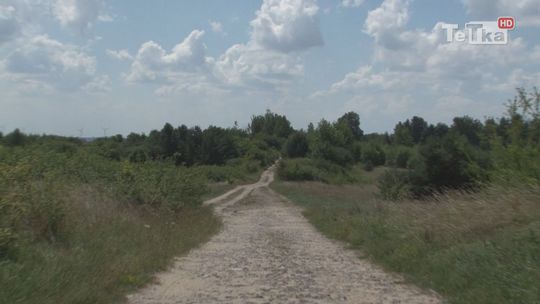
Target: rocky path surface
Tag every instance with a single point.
(268, 253)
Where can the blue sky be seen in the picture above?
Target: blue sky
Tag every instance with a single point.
(71, 65)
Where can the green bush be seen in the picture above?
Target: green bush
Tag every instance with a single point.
(305, 169)
(297, 145)
(394, 185)
(449, 163)
(373, 154)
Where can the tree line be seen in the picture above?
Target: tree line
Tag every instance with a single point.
(433, 156)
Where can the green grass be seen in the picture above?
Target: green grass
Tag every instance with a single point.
(79, 228)
(471, 248)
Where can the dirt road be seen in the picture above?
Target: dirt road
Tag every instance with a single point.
(268, 253)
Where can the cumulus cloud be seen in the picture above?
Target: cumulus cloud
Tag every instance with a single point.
(154, 63)
(527, 12)
(269, 60)
(79, 14)
(50, 63)
(287, 25)
(352, 3)
(422, 65)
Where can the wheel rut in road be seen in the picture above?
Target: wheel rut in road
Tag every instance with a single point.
(267, 252)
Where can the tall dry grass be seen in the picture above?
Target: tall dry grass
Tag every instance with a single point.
(481, 247)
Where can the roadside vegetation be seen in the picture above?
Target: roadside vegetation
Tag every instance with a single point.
(452, 207)
(88, 222)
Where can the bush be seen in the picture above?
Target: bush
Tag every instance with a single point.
(394, 185)
(305, 169)
(373, 154)
(298, 170)
(297, 145)
(450, 162)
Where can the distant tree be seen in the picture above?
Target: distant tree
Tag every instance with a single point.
(134, 139)
(167, 140)
(15, 138)
(333, 142)
(270, 124)
(418, 128)
(297, 145)
(468, 127)
(310, 128)
(352, 121)
(217, 146)
(402, 134)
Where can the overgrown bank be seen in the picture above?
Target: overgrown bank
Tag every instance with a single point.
(456, 207)
(481, 247)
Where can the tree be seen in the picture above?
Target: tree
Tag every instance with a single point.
(15, 138)
(270, 124)
(418, 128)
(167, 140)
(402, 135)
(468, 127)
(333, 142)
(297, 145)
(217, 146)
(352, 121)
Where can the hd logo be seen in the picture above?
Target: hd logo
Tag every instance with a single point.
(481, 32)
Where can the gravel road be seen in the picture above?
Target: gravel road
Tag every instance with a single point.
(268, 253)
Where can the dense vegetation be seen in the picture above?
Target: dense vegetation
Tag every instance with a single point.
(86, 222)
(455, 207)
(427, 158)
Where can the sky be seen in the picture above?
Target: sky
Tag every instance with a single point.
(89, 67)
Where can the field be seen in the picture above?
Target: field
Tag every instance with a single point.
(481, 247)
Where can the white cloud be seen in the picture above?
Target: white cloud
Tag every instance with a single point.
(216, 27)
(352, 3)
(79, 14)
(45, 62)
(250, 65)
(266, 61)
(526, 12)
(153, 63)
(120, 54)
(443, 79)
(386, 22)
(287, 25)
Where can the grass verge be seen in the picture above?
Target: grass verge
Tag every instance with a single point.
(109, 250)
(471, 248)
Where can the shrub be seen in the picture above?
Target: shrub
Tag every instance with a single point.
(373, 154)
(450, 162)
(298, 170)
(297, 145)
(305, 169)
(394, 185)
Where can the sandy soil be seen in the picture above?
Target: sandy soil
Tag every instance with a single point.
(268, 253)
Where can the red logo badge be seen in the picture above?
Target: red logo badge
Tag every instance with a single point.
(506, 23)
